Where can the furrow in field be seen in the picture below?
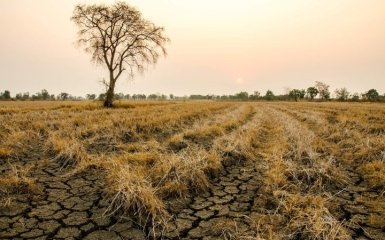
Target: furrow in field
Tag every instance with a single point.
(223, 209)
(352, 184)
(293, 203)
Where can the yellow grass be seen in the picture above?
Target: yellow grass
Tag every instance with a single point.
(16, 181)
(154, 151)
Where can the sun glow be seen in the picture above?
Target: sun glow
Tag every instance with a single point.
(239, 80)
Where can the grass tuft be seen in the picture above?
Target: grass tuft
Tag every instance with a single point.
(16, 182)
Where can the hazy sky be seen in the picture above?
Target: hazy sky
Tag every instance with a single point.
(217, 46)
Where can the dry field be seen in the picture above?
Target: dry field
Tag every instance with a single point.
(192, 170)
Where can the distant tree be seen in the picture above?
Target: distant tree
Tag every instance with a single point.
(44, 94)
(342, 94)
(323, 90)
(355, 97)
(64, 96)
(269, 95)
(293, 94)
(152, 96)
(242, 95)
(171, 96)
(139, 96)
(119, 96)
(372, 95)
(26, 96)
(312, 92)
(37, 96)
(76, 98)
(302, 93)
(6, 95)
(91, 96)
(119, 37)
(19, 96)
(198, 96)
(297, 94)
(256, 95)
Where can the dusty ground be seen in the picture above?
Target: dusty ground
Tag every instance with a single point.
(74, 207)
(64, 208)
(235, 206)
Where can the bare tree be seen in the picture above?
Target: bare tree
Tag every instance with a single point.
(119, 37)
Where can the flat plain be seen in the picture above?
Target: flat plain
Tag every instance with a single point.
(192, 170)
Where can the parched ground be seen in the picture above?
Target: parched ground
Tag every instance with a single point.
(222, 212)
(65, 207)
(74, 207)
(287, 171)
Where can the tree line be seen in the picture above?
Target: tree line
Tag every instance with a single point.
(42, 95)
(319, 92)
(45, 95)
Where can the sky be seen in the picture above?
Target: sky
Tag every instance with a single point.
(217, 47)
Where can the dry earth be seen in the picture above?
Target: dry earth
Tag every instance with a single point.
(64, 205)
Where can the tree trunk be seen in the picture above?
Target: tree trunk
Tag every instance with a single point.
(108, 101)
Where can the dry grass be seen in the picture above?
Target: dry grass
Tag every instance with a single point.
(374, 174)
(17, 181)
(4, 152)
(310, 218)
(295, 177)
(153, 151)
(185, 170)
(131, 191)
